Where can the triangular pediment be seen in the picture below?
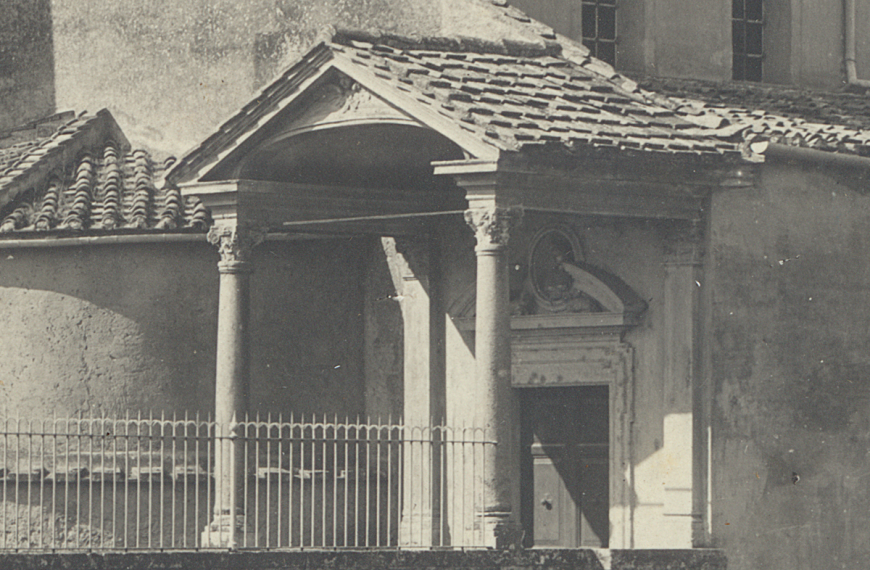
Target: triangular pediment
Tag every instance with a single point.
(322, 92)
(341, 101)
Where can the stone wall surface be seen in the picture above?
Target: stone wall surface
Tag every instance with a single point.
(584, 559)
(110, 328)
(790, 372)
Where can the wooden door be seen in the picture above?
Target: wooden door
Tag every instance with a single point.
(565, 467)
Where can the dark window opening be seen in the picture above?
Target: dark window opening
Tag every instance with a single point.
(599, 29)
(747, 22)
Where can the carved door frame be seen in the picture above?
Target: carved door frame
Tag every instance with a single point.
(598, 360)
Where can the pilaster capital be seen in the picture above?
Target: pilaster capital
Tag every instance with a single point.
(235, 245)
(492, 225)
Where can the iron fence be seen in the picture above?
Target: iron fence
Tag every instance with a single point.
(160, 484)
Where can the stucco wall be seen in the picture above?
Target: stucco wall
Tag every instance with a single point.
(111, 328)
(789, 371)
(171, 71)
(26, 62)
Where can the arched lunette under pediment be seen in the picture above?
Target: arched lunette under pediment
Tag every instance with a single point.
(591, 300)
(343, 134)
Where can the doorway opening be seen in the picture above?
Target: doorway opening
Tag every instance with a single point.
(565, 466)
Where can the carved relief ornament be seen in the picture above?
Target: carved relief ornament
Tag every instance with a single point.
(235, 245)
(492, 226)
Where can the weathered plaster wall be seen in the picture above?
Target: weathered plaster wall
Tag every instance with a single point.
(110, 328)
(171, 71)
(307, 327)
(790, 372)
(26, 61)
(106, 329)
(384, 329)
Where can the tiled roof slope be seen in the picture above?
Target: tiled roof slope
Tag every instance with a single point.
(834, 122)
(508, 94)
(79, 178)
(515, 95)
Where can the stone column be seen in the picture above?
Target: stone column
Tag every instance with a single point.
(231, 381)
(492, 352)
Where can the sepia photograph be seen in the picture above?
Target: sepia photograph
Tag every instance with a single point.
(435, 284)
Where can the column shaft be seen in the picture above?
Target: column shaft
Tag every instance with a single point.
(492, 351)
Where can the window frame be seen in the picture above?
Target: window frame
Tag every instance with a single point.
(747, 40)
(597, 39)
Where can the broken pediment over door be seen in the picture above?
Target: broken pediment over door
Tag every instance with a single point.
(556, 293)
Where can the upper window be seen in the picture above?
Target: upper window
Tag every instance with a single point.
(599, 28)
(747, 22)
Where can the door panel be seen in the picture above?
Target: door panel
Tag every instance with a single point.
(565, 485)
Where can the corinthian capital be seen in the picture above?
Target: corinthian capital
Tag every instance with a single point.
(234, 245)
(492, 226)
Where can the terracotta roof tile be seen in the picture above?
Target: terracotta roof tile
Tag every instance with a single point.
(104, 188)
(535, 88)
(534, 84)
(836, 122)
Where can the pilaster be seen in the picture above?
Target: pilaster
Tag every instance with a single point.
(423, 396)
(684, 418)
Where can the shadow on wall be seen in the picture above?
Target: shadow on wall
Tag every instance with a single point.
(106, 329)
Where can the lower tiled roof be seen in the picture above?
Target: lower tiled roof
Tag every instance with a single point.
(829, 121)
(104, 188)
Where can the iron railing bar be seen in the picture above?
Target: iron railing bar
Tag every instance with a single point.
(302, 484)
(323, 485)
(313, 477)
(292, 480)
(268, 475)
(334, 480)
(346, 481)
(378, 484)
(244, 446)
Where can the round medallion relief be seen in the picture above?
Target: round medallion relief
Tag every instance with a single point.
(553, 250)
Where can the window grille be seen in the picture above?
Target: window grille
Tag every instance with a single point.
(599, 28)
(747, 23)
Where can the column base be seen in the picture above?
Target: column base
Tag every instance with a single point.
(501, 531)
(219, 533)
